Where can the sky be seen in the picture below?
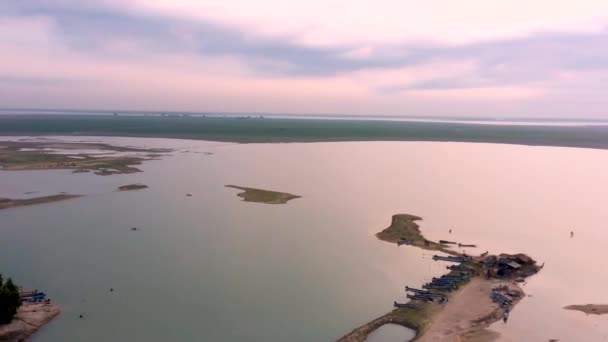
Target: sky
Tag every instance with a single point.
(485, 58)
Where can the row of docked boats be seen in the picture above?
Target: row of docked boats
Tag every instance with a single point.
(447, 282)
(32, 296)
(447, 242)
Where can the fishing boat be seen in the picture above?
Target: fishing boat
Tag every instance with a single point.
(446, 242)
(420, 297)
(443, 287)
(35, 295)
(451, 258)
(466, 245)
(457, 268)
(411, 289)
(28, 293)
(404, 305)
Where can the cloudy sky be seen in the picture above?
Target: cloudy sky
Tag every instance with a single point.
(531, 58)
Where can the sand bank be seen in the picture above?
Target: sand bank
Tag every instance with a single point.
(10, 203)
(595, 309)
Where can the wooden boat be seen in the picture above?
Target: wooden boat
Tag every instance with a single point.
(420, 297)
(28, 293)
(457, 268)
(411, 289)
(446, 242)
(443, 287)
(404, 305)
(466, 245)
(450, 258)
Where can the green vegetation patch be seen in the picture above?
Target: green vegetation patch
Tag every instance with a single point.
(9, 300)
(404, 228)
(263, 196)
(132, 187)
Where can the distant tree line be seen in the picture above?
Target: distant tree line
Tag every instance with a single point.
(9, 300)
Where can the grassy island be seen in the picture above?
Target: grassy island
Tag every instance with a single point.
(132, 187)
(10, 203)
(468, 308)
(404, 228)
(263, 196)
(18, 155)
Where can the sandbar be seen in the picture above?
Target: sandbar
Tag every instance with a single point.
(11, 203)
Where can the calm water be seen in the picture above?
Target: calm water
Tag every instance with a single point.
(213, 268)
(391, 333)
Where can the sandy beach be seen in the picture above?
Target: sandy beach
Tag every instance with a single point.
(29, 318)
(469, 311)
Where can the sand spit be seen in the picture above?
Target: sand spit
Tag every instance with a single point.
(593, 309)
(469, 309)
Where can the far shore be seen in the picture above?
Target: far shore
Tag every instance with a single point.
(274, 130)
(469, 310)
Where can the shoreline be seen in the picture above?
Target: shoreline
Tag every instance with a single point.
(30, 318)
(306, 140)
(468, 311)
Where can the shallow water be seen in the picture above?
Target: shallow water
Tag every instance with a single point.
(391, 333)
(211, 267)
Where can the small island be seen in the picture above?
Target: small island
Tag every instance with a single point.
(263, 196)
(459, 305)
(594, 309)
(22, 313)
(11, 203)
(128, 187)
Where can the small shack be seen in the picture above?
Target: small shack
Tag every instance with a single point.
(506, 266)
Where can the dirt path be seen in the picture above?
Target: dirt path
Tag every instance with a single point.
(469, 311)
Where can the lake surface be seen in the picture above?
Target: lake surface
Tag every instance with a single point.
(211, 267)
